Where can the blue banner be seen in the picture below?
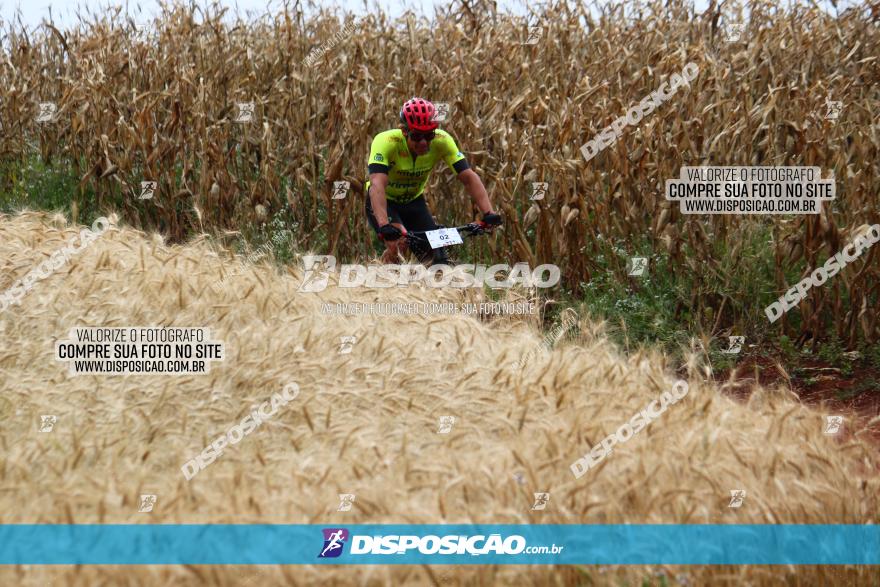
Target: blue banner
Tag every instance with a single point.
(261, 544)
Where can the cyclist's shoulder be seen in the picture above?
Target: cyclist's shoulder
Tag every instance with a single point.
(446, 145)
(392, 136)
(446, 140)
(442, 134)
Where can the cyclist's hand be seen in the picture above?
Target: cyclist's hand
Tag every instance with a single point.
(492, 219)
(389, 232)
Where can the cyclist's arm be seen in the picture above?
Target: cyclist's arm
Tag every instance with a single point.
(377, 166)
(378, 181)
(474, 186)
(456, 161)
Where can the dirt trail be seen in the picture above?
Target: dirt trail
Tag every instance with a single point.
(826, 389)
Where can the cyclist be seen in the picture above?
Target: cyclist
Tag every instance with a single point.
(400, 163)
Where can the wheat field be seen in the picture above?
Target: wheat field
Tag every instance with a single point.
(366, 423)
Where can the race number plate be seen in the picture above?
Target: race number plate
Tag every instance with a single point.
(443, 237)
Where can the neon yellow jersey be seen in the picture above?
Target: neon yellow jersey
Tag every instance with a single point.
(407, 178)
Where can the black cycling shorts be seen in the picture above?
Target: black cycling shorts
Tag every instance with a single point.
(413, 216)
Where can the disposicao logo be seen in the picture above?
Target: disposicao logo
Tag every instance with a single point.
(318, 268)
(334, 541)
(394, 544)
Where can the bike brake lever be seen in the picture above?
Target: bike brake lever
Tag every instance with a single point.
(485, 227)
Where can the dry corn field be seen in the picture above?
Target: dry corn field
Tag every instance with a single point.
(365, 423)
(162, 106)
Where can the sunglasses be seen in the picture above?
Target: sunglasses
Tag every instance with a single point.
(418, 136)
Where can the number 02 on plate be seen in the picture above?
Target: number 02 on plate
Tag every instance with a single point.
(443, 237)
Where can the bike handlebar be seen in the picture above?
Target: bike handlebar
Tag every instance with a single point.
(472, 229)
(418, 242)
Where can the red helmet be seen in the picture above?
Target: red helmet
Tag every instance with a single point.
(418, 114)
